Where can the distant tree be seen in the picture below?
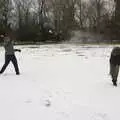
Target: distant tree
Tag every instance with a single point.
(23, 12)
(116, 20)
(26, 28)
(81, 13)
(117, 11)
(64, 16)
(96, 13)
(5, 14)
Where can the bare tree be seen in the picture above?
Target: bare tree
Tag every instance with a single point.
(5, 13)
(96, 12)
(23, 12)
(115, 26)
(81, 13)
(64, 15)
(117, 11)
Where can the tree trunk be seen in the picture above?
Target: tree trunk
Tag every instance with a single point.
(117, 11)
(116, 25)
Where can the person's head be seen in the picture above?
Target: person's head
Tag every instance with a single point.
(6, 37)
(6, 34)
(1, 38)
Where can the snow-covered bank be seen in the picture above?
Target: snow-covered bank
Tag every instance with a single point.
(59, 82)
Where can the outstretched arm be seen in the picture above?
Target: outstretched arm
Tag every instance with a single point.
(17, 50)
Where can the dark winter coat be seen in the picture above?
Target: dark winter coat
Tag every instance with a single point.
(8, 45)
(115, 56)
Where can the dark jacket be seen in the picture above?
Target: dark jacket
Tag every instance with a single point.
(8, 45)
(115, 56)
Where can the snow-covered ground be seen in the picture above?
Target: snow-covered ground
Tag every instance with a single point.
(59, 82)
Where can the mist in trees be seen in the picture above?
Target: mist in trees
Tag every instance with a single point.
(53, 20)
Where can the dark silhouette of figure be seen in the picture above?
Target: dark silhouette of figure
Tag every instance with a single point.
(114, 64)
(9, 54)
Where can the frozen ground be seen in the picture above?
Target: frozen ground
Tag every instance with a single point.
(59, 82)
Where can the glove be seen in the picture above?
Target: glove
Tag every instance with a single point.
(19, 50)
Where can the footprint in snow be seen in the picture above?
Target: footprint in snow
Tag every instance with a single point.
(100, 116)
(47, 103)
(28, 101)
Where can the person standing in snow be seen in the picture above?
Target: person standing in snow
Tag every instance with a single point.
(114, 64)
(9, 54)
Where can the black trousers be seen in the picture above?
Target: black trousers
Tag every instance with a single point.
(13, 59)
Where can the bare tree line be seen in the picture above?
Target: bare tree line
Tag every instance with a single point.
(43, 19)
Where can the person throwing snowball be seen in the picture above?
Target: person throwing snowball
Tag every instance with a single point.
(9, 54)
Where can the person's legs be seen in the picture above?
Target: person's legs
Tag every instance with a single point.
(14, 61)
(114, 70)
(7, 60)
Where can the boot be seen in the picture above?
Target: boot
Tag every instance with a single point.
(114, 82)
